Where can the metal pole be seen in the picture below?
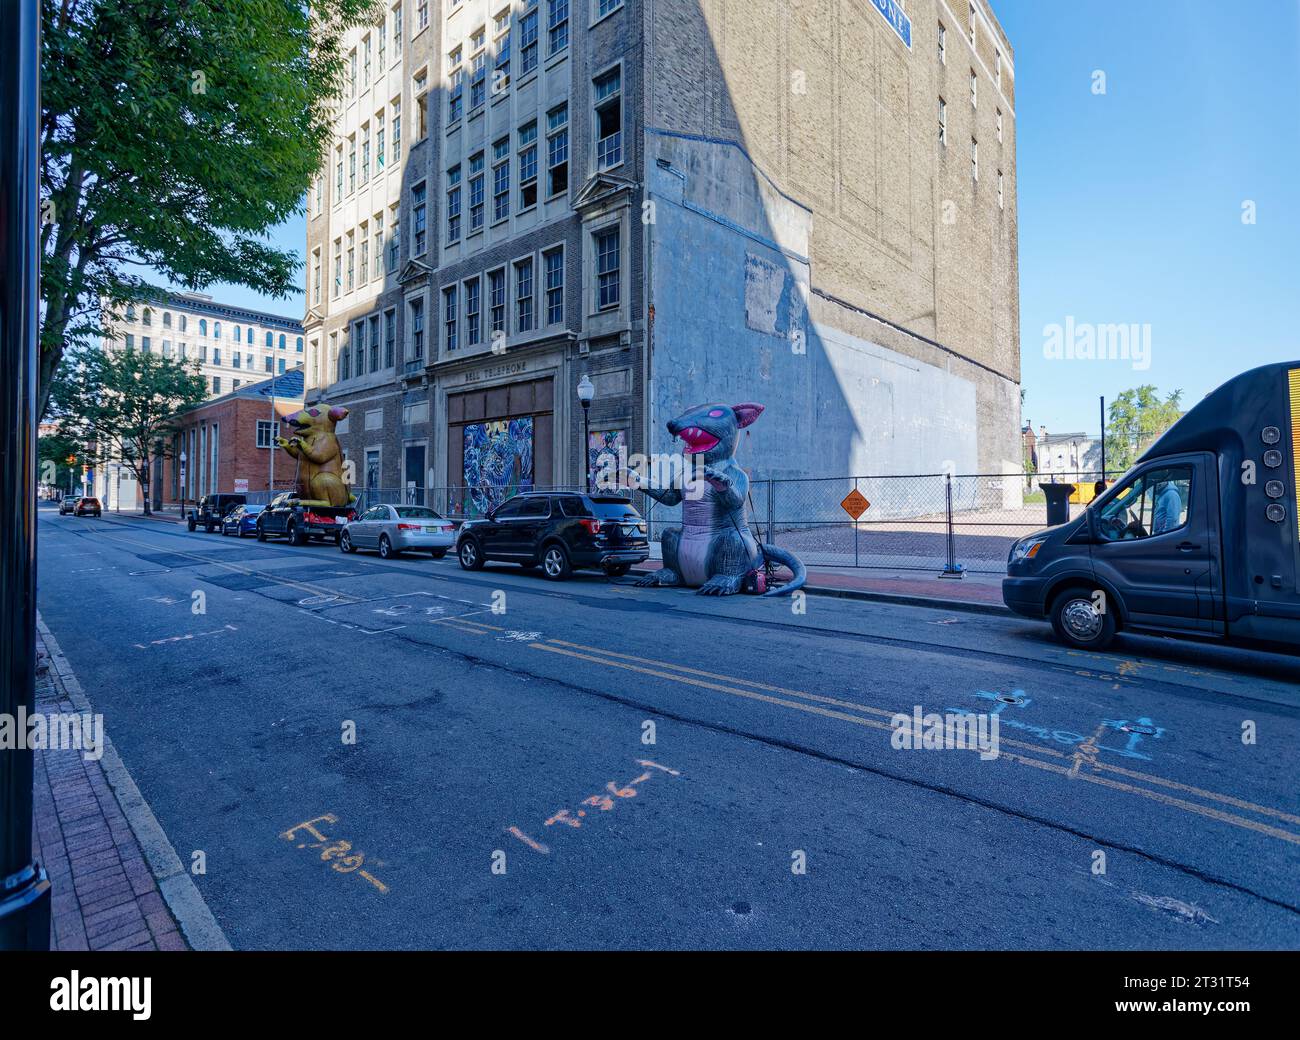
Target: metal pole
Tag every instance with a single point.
(271, 485)
(586, 441)
(1103, 437)
(24, 885)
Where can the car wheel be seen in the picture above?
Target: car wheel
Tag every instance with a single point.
(555, 563)
(240, 532)
(470, 556)
(437, 554)
(209, 528)
(386, 550)
(191, 524)
(295, 537)
(261, 533)
(223, 530)
(345, 543)
(617, 570)
(1081, 620)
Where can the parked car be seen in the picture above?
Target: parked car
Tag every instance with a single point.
(286, 516)
(210, 510)
(68, 504)
(241, 520)
(87, 507)
(395, 529)
(558, 532)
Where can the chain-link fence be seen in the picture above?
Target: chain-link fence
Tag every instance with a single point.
(924, 521)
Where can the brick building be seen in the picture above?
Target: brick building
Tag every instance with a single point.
(805, 203)
(228, 444)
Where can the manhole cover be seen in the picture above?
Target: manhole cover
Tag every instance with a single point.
(1011, 698)
(1133, 727)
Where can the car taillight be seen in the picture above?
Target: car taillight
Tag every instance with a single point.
(313, 518)
(408, 527)
(593, 526)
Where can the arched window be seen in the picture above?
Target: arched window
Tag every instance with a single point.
(238, 333)
(130, 312)
(167, 319)
(250, 335)
(216, 329)
(148, 316)
(203, 326)
(282, 341)
(299, 344)
(268, 338)
(184, 322)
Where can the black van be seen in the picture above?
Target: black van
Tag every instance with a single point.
(558, 531)
(1200, 539)
(209, 510)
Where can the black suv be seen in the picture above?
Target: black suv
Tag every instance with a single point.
(558, 531)
(299, 523)
(210, 509)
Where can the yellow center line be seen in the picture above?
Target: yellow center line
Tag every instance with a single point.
(682, 674)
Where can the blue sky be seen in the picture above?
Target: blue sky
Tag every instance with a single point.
(1131, 201)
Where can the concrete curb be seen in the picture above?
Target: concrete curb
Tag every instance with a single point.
(192, 915)
(896, 598)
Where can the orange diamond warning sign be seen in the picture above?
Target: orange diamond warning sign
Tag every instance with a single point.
(855, 504)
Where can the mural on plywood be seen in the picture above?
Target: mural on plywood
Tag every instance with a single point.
(603, 455)
(498, 462)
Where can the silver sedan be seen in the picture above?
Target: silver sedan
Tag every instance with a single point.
(395, 529)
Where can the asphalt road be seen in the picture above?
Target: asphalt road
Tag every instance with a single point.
(485, 705)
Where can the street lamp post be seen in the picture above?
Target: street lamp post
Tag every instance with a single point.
(24, 884)
(586, 393)
(182, 481)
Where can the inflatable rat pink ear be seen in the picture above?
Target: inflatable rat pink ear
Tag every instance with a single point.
(338, 413)
(747, 413)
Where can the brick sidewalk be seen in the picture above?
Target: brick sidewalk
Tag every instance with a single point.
(104, 894)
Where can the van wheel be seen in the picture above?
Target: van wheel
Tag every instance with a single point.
(555, 562)
(470, 557)
(1082, 621)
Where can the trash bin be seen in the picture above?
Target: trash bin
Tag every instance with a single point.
(1058, 502)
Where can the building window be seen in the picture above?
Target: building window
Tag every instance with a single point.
(352, 250)
(553, 269)
(237, 360)
(476, 193)
(974, 89)
(298, 346)
(997, 67)
(478, 69)
(421, 93)
(528, 42)
(352, 73)
(167, 319)
(453, 204)
(359, 345)
(557, 26)
(378, 225)
(146, 346)
(607, 268)
(216, 384)
(449, 318)
(972, 22)
(501, 67)
(345, 359)
(501, 179)
(528, 166)
(473, 317)
(557, 150)
(397, 30)
(418, 216)
(943, 122)
(380, 150)
(394, 238)
(338, 268)
(352, 164)
(364, 235)
(269, 363)
(943, 45)
(524, 295)
(130, 343)
(203, 325)
(417, 329)
(456, 91)
(974, 159)
(609, 119)
(390, 338)
(365, 61)
(1001, 200)
(604, 7)
(267, 431)
(396, 139)
(280, 366)
(338, 173)
(421, 14)
(365, 154)
(497, 300)
(999, 125)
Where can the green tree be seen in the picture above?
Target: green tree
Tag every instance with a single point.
(174, 135)
(123, 407)
(53, 451)
(1136, 418)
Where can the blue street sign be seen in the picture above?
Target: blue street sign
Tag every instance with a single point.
(891, 12)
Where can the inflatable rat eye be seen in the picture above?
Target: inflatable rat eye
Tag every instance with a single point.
(717, 413)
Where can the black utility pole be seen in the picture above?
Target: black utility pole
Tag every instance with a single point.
(1103, 437)
(24, 886)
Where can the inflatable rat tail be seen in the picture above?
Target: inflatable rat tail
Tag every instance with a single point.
(776, 555)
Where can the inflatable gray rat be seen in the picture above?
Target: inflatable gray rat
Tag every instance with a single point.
(713, 550)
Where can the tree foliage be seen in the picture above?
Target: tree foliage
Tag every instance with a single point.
(174, 135)
(1136, 418)
(123, 406)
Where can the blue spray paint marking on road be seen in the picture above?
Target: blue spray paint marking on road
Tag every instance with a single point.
(1136, 729)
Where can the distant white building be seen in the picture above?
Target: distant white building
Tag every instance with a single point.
(1067, 455)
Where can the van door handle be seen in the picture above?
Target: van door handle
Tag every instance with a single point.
(1187, 547)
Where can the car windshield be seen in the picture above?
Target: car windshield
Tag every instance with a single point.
(250, 510)
(416, 513)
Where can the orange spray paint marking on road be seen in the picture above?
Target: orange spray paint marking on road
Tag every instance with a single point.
(527, 840)
(338, 853)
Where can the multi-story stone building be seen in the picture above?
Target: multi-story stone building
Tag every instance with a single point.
(810, 204)
(233, 346)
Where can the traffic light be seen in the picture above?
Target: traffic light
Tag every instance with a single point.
(72, 460)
